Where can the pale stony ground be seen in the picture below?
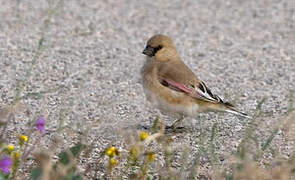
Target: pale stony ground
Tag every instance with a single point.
(243, 50)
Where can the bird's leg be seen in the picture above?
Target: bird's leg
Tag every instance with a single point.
(176, 123)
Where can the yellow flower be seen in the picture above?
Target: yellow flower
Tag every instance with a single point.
(10, 148)
(151, 156)
(112, 152)
(113, 161)
(16, 155)
(23, 138)
(143, 135)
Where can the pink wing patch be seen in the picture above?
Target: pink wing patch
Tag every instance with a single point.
(181, 87)
(204, 93)
(178, 86)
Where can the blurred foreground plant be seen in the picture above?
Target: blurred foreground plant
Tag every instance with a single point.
(64, 168)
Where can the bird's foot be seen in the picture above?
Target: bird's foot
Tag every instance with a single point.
(174, 129)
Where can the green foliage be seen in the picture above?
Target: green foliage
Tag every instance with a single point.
(3, 176)
(64, 157)
(155, 125)
(36, 173)
(72, 176)
(269, 139)
(77, 149)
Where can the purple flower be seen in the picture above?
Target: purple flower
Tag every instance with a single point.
(5, 164)
(41, 124)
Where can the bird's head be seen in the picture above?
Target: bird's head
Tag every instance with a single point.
(160, 46)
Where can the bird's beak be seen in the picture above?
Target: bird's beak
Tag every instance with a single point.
(149, 51)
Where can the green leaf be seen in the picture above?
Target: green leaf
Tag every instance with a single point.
(75, 150)
(3, 176)
(36, 173)
(241, 150)
(155, 125)
(269, 139)
(64, 158)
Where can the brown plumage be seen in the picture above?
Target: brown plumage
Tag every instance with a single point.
(171, 86)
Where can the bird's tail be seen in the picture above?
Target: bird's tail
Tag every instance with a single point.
(231, 109)
(224, 107)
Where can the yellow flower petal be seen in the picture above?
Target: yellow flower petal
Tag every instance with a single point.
(10, 148)
(16, 155)
(23, 138)
(113, 162)
(143, 135)
(112, 151)
(151, 157)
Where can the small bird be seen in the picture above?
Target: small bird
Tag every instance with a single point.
(172, 87)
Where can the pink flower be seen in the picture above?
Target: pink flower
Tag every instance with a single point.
(5, 164)
(41, 124)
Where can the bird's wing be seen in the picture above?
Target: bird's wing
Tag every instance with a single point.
(201, 91)
(180, 78)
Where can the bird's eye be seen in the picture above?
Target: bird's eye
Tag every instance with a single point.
(156, 49)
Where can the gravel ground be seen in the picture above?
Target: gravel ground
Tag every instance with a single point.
(90, 64)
